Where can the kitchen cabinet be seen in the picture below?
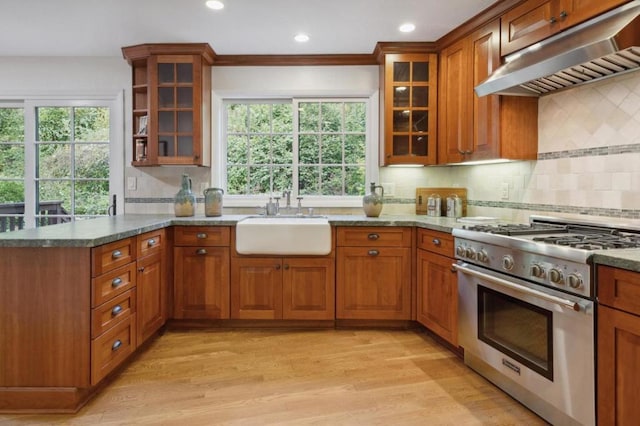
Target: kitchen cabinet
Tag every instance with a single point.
(476, 128)
(618, 346)
(201, 272)
(151, 284)
(437, 285)
(290, 288)
(410, 108)
(373, 273)
(535, 20)
(171, 103)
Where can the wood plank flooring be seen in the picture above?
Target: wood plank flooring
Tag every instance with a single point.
(276, 377)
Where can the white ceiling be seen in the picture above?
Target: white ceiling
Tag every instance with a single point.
(102, 27)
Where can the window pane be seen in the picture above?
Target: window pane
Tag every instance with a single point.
(12, 191)
(237, 118)
(11, 161)
(354, 180)
(53, 124)
(331, 117)
(260, 118)
(355, 118)
(309, 117)
(331, 149)
(92, 197)
(11, 125)
(331, 180)
(309, 180)
(354, 149)
(282, 178)
(92, 161)
(309, 149)
(55, 195)
(91, 124)
(283, 118)
(260, 148)
(282, 149)
(54, 160)
(260, 179)
(237, 180)
(237, 149)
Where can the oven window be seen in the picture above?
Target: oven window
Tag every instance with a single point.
(516, 328)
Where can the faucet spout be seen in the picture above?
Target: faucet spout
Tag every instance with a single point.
(286, 194)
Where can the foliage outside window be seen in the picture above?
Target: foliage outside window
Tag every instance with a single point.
(314, 147)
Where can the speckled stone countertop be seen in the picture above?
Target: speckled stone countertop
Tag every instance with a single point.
(619, 258)
(95, 232)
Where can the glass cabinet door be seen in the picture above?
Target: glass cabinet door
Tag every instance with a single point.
(410, 109)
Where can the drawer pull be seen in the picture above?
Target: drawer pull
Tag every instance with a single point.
(201, 251)
(373, 252)
(436, 242)
(116, 345)
(286, 266)
(277, 267)
(116, 282)
(373, 236)
(151, 242)
(116, 254)
(116, 310)
(201, 235)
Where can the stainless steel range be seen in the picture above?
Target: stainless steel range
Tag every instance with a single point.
(526, 309)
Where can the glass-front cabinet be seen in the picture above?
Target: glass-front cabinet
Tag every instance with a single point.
(410, 99)
(171, 103)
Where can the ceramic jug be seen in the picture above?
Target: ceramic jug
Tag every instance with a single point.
(185, 202)
(372, 202)
(213, 201)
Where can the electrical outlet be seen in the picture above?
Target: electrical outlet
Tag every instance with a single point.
(389, 188)
(132, 183)
(505, 191)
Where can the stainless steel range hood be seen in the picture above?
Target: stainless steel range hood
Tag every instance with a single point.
(602, 47)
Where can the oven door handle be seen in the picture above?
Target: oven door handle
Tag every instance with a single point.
(504, 283)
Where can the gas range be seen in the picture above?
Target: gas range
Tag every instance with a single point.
(554, 252)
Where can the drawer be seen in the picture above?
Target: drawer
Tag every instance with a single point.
(112, 312)
(619, 288)
(368, 236)
(110, 256)
(112, 348)
(150, 242)
(436, 242)
(111, 284)
(202, 236)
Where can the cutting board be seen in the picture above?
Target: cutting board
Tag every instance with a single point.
(423, 193)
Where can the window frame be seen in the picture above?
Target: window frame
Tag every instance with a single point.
(219, 148)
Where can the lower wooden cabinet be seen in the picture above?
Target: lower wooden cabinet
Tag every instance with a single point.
(152, 294)
(618, 347)
(283, 288)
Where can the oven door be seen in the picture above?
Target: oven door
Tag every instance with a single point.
(535, 343)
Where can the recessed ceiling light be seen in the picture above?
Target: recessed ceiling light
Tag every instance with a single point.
(407, 28)
(301, 38)
(215, 4)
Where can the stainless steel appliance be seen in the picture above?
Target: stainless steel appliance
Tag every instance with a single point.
(526, 310)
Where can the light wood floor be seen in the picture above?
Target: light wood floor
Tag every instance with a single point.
(319, 377)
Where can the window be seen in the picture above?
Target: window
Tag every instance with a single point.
(318, 148)
(56, 161)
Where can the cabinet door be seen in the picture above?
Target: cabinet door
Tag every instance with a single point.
(201, 283)
(308, 289)
(410, 100)
(454, 140)
(527, 24)
(580, 10)
(151, 296)
(618, 367)
(438, 295)
(373, 283)
(256, 290)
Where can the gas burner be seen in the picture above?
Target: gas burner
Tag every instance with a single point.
(592, 240)
(518, 229)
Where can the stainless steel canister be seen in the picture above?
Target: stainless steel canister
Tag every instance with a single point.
(454, 206)
(434, 205)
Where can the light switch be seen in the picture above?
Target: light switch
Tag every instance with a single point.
(132, 183)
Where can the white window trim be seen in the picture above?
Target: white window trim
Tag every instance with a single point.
(219, 153)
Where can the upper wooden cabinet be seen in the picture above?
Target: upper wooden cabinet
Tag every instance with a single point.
(410, 114)
(535, 20)
(476, 128)
(171, 103)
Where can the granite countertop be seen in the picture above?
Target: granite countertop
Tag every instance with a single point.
(619, 258)
(95, 232)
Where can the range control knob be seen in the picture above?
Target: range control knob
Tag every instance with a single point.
(537, 271)
(507, 262)
(482, 256)
(555, 276)
(575, 280)
(470, 253)
(460, 251)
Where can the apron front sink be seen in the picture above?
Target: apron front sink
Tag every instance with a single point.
(284, 236)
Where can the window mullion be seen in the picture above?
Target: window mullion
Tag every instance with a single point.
(295, 148)
(30, 164)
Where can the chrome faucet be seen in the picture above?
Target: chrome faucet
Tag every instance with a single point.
(286, 194)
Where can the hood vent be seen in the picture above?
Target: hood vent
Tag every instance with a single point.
(602, 47)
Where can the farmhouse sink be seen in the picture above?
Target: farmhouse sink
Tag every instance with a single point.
(284, 236)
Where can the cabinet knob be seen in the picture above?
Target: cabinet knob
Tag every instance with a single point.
(436, 242)
(151, 242)
(116, 345)
(201, 235)
(116, 310)
(373, 252)
(116, 254)
(373, 237)
(116, 282)
(286, 266)
(563, 15)
(201, 251)
(553, 20)
(141, 269)
(277, 267)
